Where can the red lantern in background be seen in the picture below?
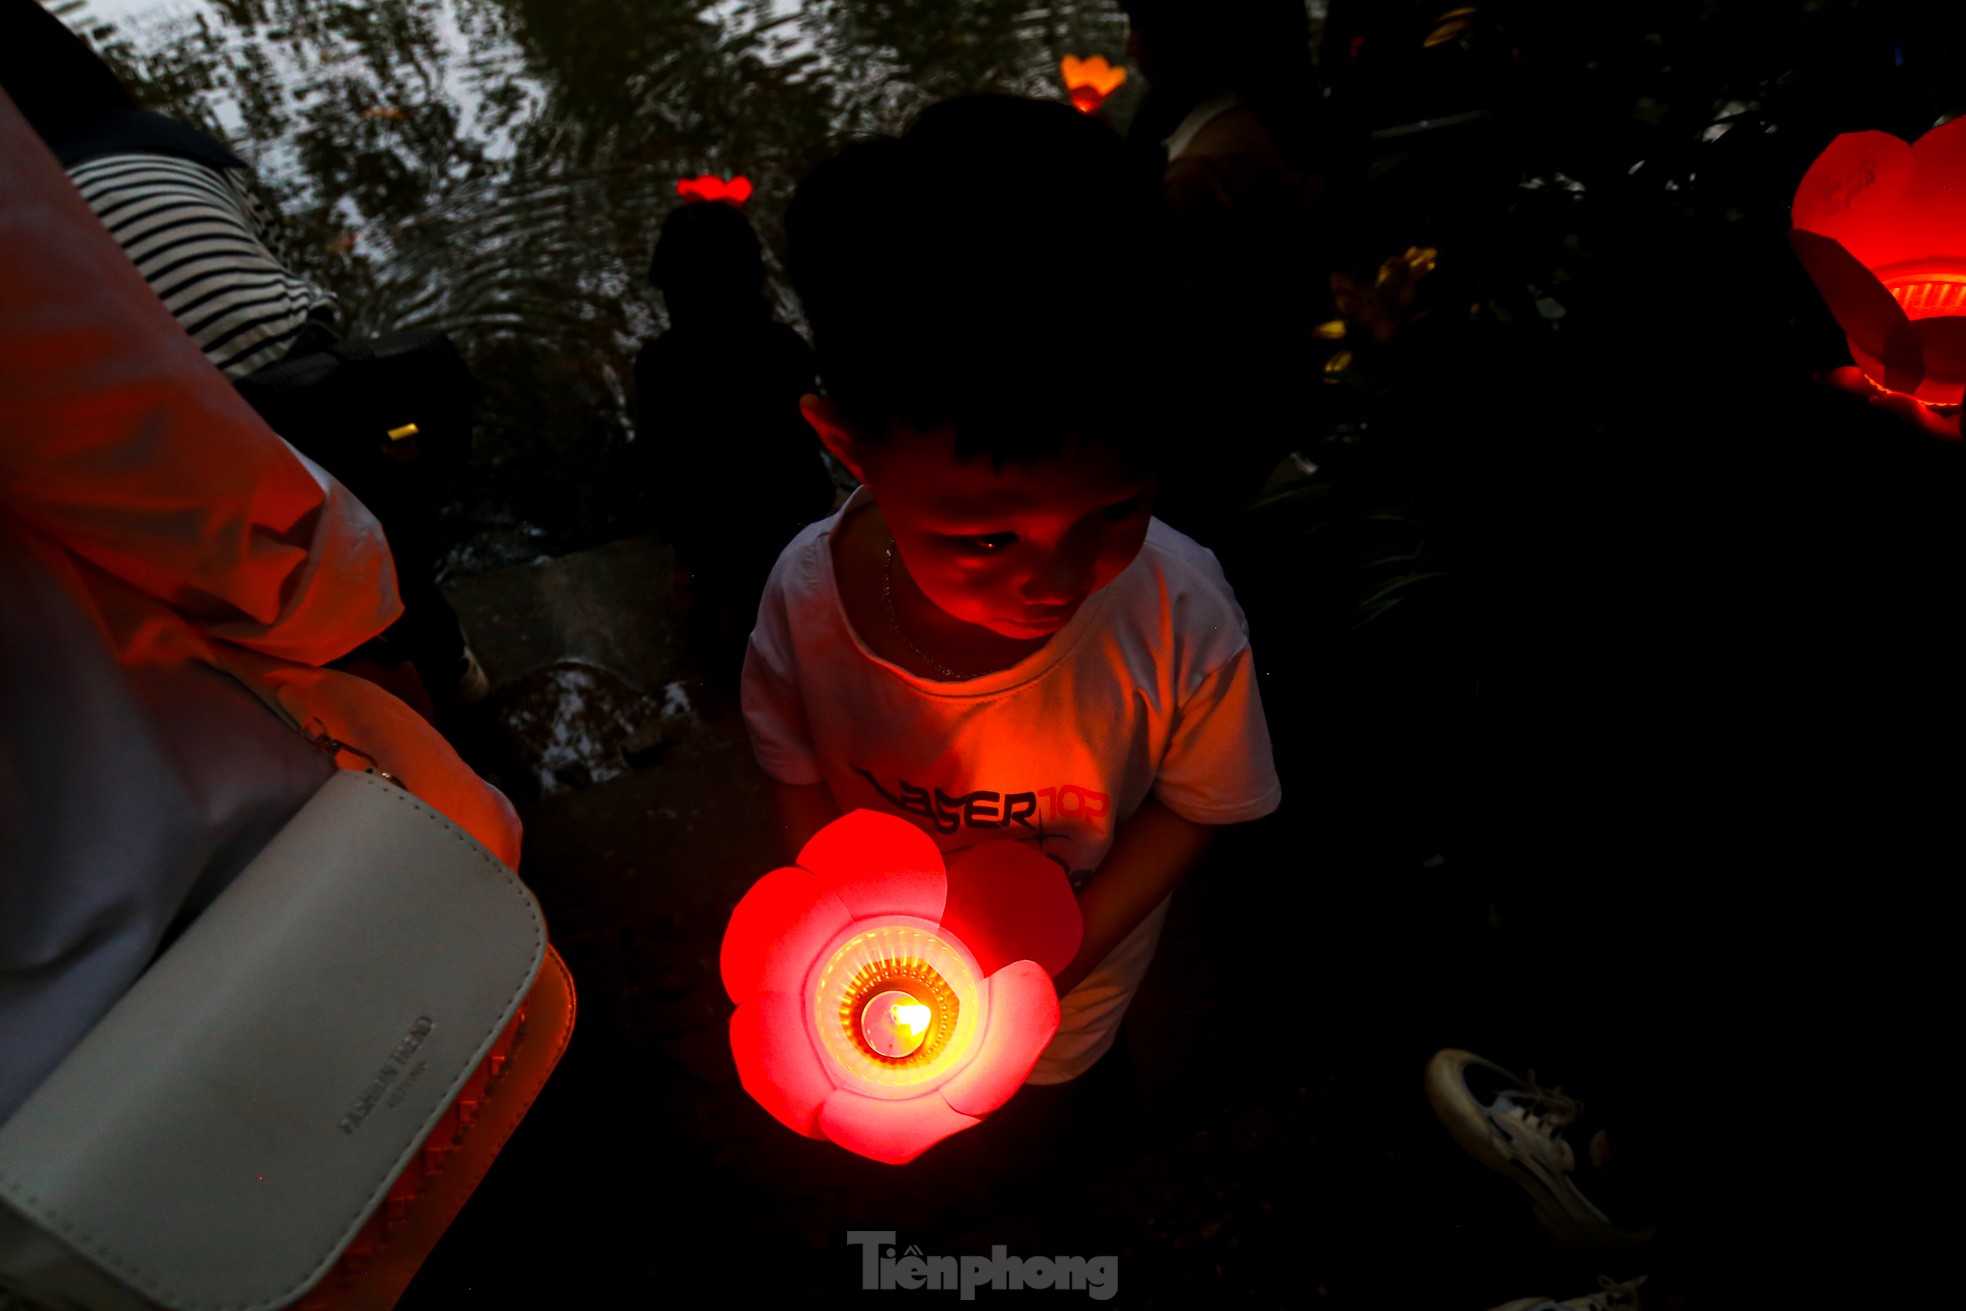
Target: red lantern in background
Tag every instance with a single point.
(709, 187)
(1089, 81)
(885, 1003)
(1881, 228)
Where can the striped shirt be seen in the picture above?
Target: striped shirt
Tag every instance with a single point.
(208, 248)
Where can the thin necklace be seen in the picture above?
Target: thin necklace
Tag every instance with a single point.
(894, 621)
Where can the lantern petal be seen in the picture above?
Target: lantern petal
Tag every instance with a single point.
(784, 921)
(1944, 147)
(894, 1133)
(1851, 193)
(1901, 367)
(1008, 903)
(1868, 314)
(1943, 346)
(878, 865)
(776, 1062)
(1935, 204)
(1023, 1018)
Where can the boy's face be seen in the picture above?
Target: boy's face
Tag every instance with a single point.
(1015, 550)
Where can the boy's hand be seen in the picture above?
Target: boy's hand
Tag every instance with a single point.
(1850, 378)
(1151, 853)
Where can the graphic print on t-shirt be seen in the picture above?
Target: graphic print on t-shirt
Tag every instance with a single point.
(1033, 815)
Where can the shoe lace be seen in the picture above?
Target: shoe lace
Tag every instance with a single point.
(1550, 1109)
(1615, 1296)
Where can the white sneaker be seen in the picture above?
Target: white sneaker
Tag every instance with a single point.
(1515, 1127)
(472, 685)
(1608, 1297)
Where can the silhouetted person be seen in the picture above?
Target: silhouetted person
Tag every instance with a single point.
(1232, 116)
(717, 399)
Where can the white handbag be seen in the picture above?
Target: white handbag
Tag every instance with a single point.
(294, 1100)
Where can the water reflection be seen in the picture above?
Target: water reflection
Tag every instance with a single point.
(499, 169)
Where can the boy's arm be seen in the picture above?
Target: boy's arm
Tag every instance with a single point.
(1151, 853)
(802, 810)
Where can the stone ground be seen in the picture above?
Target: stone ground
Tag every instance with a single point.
(1282, 1152)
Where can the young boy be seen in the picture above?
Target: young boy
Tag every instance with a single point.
(993, 637)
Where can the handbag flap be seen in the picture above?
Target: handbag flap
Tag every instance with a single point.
(220, 1136)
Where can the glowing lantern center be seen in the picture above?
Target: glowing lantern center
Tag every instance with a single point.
(896, 1006)
(899, 1011)
(1930, 296)
(894, 1023)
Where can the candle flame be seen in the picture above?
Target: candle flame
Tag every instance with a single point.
(912, 1017)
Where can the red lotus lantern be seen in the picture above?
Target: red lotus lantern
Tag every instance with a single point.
(709, 187)
(1881, 228)
(885, 1004)
(1089, 81)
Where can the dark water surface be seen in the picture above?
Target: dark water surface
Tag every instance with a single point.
(500, 168)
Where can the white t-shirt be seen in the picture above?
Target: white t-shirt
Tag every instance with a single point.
(1149, 690)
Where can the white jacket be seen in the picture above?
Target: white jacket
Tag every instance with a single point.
(172, 578)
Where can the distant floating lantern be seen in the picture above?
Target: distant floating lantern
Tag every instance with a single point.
(709, 187)
(1881, 228)
(884, 1002)
(1450, 25)
(1090, 81)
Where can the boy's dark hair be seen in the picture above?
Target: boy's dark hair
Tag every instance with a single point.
(995, 268)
